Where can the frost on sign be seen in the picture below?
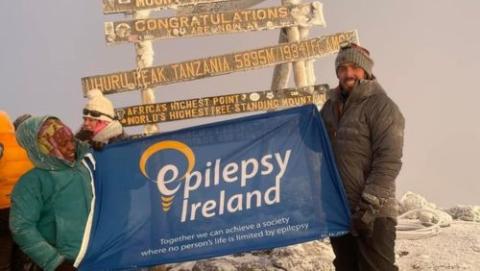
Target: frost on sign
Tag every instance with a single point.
(217, 65)
(220, 105)
(217, 7)
(129, 6)
(215, 23)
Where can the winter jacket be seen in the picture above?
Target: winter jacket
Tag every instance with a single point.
(14, 161)
(366, 133)
(50, 203)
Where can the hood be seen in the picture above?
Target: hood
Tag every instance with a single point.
(6, 126)
(27, 135)
(365, 89)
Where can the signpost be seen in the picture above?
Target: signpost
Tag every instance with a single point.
(220, 105)
(208, 17)
(214, 23)
(144, 56)
(217, 65)
(129, 6)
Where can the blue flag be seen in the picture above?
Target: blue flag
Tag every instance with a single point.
(252, 183)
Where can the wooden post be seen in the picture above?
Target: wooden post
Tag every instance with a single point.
(295, 34)
(145, 54)
(309, 68)
(281, 72)
(302, 75)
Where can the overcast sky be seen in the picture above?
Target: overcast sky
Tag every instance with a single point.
(426, 57)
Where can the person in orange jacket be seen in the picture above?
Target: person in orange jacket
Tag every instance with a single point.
(14, 163)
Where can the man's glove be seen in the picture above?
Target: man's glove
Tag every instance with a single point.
(66, 266)
(363, 220)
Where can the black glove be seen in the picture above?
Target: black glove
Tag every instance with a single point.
(66, 266)
(98, 146)
(363, 220)
(84, 135)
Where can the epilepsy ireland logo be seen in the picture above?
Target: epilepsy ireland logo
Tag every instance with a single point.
(270, 167)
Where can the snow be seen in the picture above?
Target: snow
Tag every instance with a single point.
(456, 246)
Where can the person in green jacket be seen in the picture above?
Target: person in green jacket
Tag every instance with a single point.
(51, 202)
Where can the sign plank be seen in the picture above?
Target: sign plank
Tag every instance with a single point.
(217, 65)
(218, 7)
(129, 6)
(214, 23)
(220, 105)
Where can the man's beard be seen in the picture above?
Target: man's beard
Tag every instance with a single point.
(349, 87)
(346, 90)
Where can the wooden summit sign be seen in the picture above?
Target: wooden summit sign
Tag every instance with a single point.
(217, 65)
(220, 105)
(129, 6)
(214, 23)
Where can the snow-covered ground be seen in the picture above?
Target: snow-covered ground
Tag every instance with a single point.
(454, 246)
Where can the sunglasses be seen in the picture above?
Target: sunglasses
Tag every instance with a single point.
(95, 114)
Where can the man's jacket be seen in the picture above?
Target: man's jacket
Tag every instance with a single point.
(50, 203)
(366, 133)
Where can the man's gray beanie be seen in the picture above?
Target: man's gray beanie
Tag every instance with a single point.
(353, 53)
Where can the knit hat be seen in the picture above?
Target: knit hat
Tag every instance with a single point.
(98, 107)
(353, 53)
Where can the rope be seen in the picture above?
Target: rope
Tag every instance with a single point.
(410, 229)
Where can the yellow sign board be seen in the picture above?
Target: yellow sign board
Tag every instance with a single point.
(220, 105)
(217, 65)
(214, 23)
